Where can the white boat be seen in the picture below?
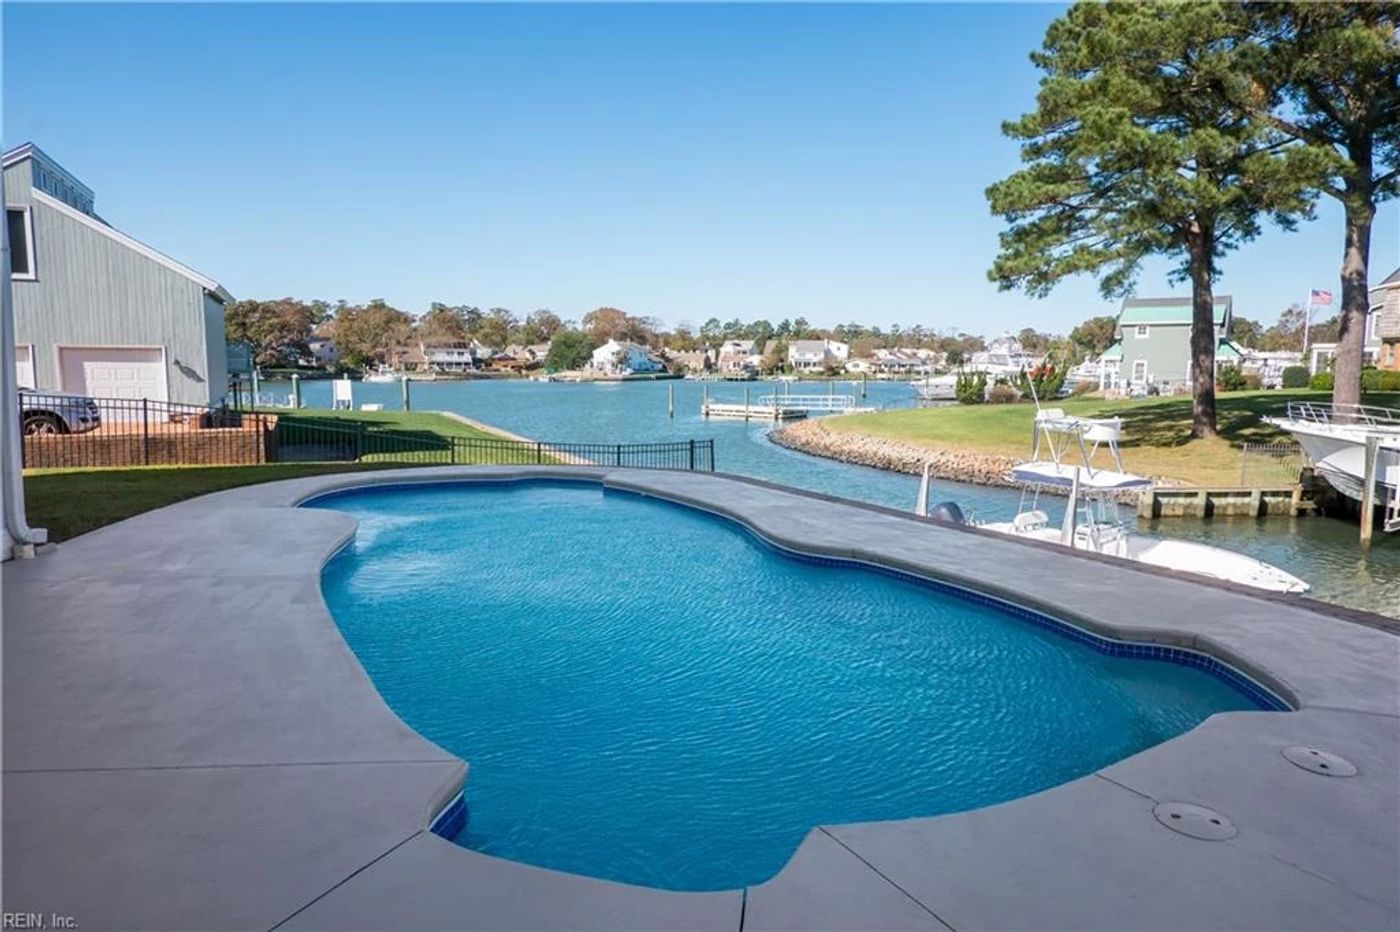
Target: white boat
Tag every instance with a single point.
(1092, 520)
(936, 388)
(1334, 437)
(382, 374)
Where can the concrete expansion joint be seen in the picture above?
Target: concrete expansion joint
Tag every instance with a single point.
(885, 877)
(343, 881)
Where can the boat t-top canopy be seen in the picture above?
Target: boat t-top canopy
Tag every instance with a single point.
(1042, 472)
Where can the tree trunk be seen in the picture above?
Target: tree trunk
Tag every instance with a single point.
(1203, 337)
(1356, 299)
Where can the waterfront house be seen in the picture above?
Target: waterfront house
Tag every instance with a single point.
(1152, 344)
(322, 352)
(695, 361)
(1268, 365)
(1385, 318)
(97, 312)
(624, 358)
(449, 356)
(817, 355)
(1382, 344)
(739, 356)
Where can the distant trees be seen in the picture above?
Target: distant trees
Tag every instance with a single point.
(368, 334)
(1141, 144)
(278, 331)
(495, 328)
(1095, 335)
(570, 349)
(539, 327)
(444, 324)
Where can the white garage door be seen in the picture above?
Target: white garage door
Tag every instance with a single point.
(24, 365)
(113, 372)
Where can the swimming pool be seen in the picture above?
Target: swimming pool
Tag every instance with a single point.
(647, 693)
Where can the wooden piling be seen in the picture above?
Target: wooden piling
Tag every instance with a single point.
(1368, 488)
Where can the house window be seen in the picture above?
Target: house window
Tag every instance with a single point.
(1141, 330)
(21, 232)
(1139, 370)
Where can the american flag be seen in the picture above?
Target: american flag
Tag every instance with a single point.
(1319, 297)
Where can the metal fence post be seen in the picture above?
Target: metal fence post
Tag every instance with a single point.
(359, 440)
(145, 433)
(619, 454)
(692, 455)
(539, 452)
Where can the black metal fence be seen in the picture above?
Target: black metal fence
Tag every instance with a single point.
(307, 437)
(64, 432)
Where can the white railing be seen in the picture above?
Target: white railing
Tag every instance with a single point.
(1326, 413)
(809, 402)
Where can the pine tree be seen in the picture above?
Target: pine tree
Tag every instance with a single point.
(1142, 144)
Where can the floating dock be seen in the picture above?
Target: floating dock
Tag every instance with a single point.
(780, 407)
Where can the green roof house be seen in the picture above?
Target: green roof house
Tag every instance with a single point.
(1152, 344)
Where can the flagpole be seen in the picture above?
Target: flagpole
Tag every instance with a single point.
(1307, 320)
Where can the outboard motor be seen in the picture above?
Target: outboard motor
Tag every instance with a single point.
(947, 511)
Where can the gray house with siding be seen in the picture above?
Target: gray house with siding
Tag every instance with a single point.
(1152, 344)
(97, 312)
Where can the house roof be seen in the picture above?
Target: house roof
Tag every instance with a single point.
(160, 258)
(1114, 353)
(1226, 349)
(807, 346)
(30, 151)
(1168, 310)
(1392, 279)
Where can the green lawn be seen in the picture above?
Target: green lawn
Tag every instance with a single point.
(1157, 431)
(69, 502)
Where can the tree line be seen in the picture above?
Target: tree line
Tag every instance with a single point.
(1179, 129)
(280, 331)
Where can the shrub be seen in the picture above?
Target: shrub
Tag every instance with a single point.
(1229, 379)
(1322, 382)
(1252, 382)
(1003, 395)
(1047, 379)
(970, 388)
(1376, 380)
(1295, 377)
(1084, 388)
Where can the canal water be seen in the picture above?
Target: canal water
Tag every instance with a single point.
(1321, 550)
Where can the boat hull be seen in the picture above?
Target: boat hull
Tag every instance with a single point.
(1338, 454)
(1181, 555)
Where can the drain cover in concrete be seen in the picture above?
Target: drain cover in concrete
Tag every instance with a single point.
(1195, 821)
(1316, 760)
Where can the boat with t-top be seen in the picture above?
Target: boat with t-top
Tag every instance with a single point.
(1062, 463)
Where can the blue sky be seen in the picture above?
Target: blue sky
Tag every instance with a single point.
(685, 162)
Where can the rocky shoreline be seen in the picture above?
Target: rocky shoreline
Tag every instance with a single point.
(815, 437)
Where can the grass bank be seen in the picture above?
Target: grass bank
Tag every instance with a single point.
(69, 502)
(1157, 431)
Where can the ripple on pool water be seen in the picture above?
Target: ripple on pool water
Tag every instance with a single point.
(647, 694)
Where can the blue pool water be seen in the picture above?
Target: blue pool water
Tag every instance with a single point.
(648, 694)
(1323, 552)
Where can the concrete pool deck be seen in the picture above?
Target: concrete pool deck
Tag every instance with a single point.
(189, 744)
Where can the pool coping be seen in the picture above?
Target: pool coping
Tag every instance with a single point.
(1291, 866)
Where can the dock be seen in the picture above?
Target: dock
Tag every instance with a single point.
(1207, 503)
(780, 407)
